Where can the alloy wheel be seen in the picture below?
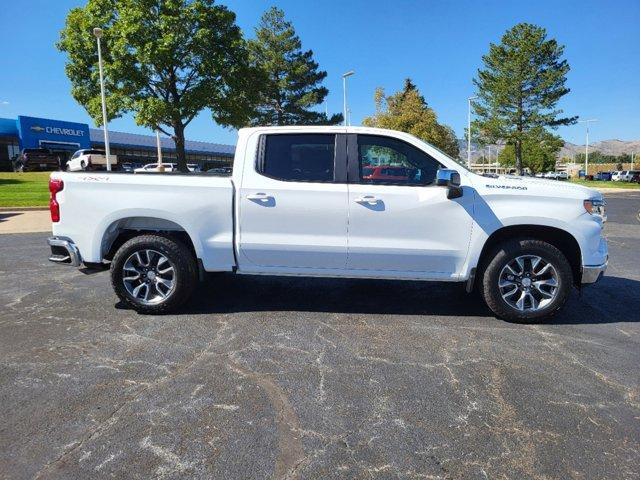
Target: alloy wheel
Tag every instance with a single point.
(149, 276)
(528, 283)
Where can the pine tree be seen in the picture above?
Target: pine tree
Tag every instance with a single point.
(539, 151)
(519, 87)
(408, 111)
(292, 83)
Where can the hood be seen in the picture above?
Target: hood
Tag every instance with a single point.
(534, 186)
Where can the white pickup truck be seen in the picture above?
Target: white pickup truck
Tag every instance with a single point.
(333, 202)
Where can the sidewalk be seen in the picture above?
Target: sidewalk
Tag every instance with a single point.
(25, 221)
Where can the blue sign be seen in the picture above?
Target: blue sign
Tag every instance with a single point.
(46, 133)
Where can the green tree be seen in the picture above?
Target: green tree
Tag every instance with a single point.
(539, 151)
(519, 87)
(164, 60)
(408, 111)
(291, 81)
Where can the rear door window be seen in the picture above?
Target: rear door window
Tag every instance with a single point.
(298, 157)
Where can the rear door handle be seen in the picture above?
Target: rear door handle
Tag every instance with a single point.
(370, 199)
(261, 197)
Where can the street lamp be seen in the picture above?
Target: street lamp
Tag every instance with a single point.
(586, 146)
(469, 130)
(344, 91)
(97, 32)
(159, 148)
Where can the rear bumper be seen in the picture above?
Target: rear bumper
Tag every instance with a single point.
(593, 273)
(64, 251)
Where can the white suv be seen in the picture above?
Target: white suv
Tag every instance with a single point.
(617, 176)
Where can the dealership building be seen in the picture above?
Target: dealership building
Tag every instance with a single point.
(64, 138)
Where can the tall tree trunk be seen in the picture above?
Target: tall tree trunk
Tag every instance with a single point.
(178, 138)
(518, 152)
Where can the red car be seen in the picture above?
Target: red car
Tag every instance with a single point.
(386, 173)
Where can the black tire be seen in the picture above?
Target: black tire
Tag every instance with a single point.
(505, 254)
(182, 261)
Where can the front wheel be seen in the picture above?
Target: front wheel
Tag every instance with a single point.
(153, 273)
(526, 281)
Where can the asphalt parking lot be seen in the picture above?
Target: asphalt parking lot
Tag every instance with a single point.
(311, 378)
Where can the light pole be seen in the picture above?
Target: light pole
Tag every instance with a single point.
(159, 147)
(344, 92)
(586, 146)
(469, 130)
(98, 34)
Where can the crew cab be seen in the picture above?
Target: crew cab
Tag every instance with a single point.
(302, 201)
(90, 159)
(36, 159)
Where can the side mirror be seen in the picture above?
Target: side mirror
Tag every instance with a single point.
(450, 179)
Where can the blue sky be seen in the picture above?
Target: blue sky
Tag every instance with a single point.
(439, 44)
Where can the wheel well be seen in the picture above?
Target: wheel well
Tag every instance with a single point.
(127, 228)
(561, 239)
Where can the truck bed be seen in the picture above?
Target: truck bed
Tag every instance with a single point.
(95, 207)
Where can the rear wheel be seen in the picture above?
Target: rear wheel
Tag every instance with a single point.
(526, 280)
(153, 273)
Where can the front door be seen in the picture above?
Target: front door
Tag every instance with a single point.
(293, 204)
(400, 222)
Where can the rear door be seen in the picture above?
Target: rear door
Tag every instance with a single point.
(400, 222)
(293, 203)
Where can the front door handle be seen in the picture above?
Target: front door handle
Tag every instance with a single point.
(261, 197)
(370, 199)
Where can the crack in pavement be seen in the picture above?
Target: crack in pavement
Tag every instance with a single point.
(291, 457)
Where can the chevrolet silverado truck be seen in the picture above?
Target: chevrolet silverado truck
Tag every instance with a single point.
(302, 201)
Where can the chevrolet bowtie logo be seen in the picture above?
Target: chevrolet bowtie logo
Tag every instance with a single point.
(37, 128)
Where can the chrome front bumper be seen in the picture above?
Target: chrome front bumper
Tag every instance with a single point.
(64, 251)
(591, 274)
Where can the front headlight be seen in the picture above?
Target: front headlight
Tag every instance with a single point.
(596, 206)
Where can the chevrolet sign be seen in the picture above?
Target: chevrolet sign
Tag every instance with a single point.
(72, 132)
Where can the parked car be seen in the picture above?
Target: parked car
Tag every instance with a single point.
(387, 173)
(168, 167)
(36, 159)
(617, 176)
(603, 176)
(635, 178)
(221, 170)
(628, 175)
(90, 159)
(557, 175)
(130, 166)
(298, 204)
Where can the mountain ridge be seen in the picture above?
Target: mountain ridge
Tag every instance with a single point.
(612, 146)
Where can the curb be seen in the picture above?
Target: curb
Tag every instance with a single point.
(618, 190)
(24, 209)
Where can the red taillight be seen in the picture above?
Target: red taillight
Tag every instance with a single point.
(55, 186)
